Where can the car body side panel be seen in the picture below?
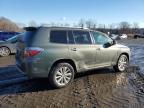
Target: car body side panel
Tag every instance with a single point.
(105, 56)
(83, 55)
(121, 49)
(42, 63)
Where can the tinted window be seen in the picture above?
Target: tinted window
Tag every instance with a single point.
(70, 37)
(82, 37)
(100, 38)
(29, 37)
(58, 36)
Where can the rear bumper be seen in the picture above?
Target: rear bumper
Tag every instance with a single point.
(32, 71)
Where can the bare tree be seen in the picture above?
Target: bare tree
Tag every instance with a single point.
(7, 25)
(95, 25)
(81, 23)
(21, 25)
(89, 23)
(66, 25)
(124, 26)
(135, 27)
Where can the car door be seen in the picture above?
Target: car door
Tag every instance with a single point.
(104, 55)
(81, 49)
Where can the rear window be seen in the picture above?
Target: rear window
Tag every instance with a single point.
(58, 36)
(28, 37)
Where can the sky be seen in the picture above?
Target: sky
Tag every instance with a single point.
(71, 11)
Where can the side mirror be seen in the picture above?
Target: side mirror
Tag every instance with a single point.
(106, 45)
(114, 42)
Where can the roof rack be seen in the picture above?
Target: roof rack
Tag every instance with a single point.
(34, 28)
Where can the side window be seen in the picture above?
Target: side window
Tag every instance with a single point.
(82, 37)
(70, 38)
(58, 36)
(100, 38)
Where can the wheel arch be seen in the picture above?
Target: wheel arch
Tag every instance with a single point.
(71, 62)
(123, 53)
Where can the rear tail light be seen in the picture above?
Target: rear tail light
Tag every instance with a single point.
(32, 51)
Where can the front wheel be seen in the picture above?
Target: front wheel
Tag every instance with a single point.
(122, 63)
(61, 75)
(4, 51)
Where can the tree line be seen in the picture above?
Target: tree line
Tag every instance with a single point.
(8, 25)
(119, 28)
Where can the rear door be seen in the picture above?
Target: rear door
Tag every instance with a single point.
(81, 49)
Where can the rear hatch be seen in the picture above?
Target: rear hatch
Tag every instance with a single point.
(24, 42)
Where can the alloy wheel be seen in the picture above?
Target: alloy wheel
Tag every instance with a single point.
(4, 51)
(123, 63)
(63, 75)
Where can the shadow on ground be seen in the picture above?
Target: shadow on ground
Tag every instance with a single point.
(23, 85)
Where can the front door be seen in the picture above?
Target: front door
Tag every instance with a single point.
(104, 56)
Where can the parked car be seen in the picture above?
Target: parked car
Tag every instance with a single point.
(8, 46)
(138, 36)
(58, 53)
(6, 35)
(123, 36)
(114, 37)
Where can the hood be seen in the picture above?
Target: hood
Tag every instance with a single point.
(1, 41)
(121, 46)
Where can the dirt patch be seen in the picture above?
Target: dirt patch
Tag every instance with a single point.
(101, 88)
(7, 61)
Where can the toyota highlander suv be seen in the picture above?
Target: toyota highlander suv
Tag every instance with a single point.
(59, 53)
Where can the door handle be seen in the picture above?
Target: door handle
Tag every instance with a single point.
(74, 49)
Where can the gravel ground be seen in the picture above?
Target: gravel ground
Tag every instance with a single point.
(100, 88)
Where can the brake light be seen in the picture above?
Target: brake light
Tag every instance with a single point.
(30, 52)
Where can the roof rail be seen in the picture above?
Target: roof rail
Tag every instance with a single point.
(64, 27)
(30, 28)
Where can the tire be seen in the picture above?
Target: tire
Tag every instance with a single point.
(135, 37)
(4, 51)
(122, 63)
(64, 73)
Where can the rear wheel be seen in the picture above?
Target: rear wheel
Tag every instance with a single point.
(122, 63)
(61, 75)
(4, 51)
(135, 36)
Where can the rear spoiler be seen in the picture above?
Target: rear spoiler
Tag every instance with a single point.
(30, 28)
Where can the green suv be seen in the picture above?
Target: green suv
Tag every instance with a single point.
(60, 52)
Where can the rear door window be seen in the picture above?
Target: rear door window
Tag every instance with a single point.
(58, 36)
(70, 38)
(82, 37)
